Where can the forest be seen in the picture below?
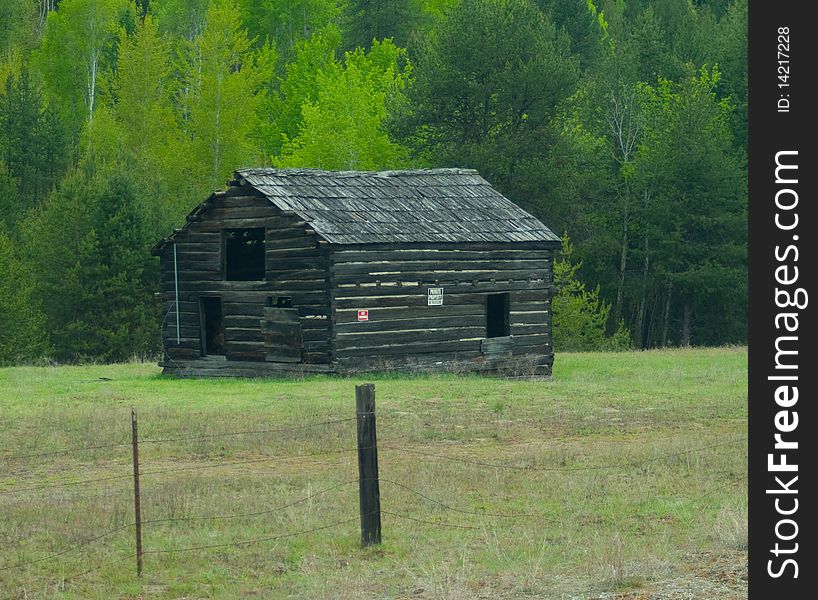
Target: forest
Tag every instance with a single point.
(621, 124)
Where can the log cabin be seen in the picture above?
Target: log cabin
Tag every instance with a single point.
(309, 271)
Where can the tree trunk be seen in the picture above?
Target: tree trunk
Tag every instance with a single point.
(640, 317)
(623, 263)
(666, 320)
(687, 312)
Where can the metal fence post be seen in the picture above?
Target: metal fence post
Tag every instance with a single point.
(136, 502)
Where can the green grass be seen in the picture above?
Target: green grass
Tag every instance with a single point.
(611, 492)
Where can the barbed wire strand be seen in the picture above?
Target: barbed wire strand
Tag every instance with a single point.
(631, 463)
(252, 541)
(463, 511)
(174, 439)
(177, 469)
(436, 523)
(251, 514)
(69, 550)
(244, 432)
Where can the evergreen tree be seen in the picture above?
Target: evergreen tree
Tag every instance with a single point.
(284, 23)
(368, 20)
(95, 277)
(580, 315)
(32, 141)
(21, 323)
(487, 85)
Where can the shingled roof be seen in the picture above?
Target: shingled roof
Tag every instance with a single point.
(364, 207)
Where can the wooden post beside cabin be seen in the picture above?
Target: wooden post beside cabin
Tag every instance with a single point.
(319, 271)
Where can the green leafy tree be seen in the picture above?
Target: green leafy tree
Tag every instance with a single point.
(342, 128)
(77, 48)
(144, 112)
(226, 81)
(315, 60)
(695, 211)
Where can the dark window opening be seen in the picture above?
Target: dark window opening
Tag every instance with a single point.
(497, 315)
(212, 321)
(244, 254)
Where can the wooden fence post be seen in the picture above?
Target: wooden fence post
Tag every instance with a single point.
(136, 503)
(368, 486)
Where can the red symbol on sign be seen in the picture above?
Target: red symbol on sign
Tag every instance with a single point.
(363, 315)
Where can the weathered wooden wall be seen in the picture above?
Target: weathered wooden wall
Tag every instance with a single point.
(296, 267)
(391, 282)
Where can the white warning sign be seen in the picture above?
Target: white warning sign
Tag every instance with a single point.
(435, 297)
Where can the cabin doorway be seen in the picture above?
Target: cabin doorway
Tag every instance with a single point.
(497, 315)
(212, 326)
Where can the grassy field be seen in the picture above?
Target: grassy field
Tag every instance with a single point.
(624, 475)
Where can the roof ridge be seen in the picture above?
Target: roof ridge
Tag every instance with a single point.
(385, 173)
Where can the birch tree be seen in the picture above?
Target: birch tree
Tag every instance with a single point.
(227, 78)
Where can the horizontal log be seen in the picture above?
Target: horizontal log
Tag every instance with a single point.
(289, 242)
(191, 341)
(404, 266)
(187, 247)
(185, 253)
(350, 315)
(241, 369)
(443, 278)
(367, 255)
(414, 299)
(243, 334)
(193, 235)
(530, 329)
(408, 348)
(315, 358)
(281, 355)
(375, 338)
(187, 330)
(254, 307)
(430, 322)
(247, 355)
(182, 353)
(452, 246)
(297, 274)
(487, 287)
(262, 288)
(211, 262)
(246, 210)
(467, 360)
(313, 336)
(209, 225)
(239, 198)
(295, 260)
(188, 275)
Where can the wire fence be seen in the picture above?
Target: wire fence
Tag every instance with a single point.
(368, 482)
